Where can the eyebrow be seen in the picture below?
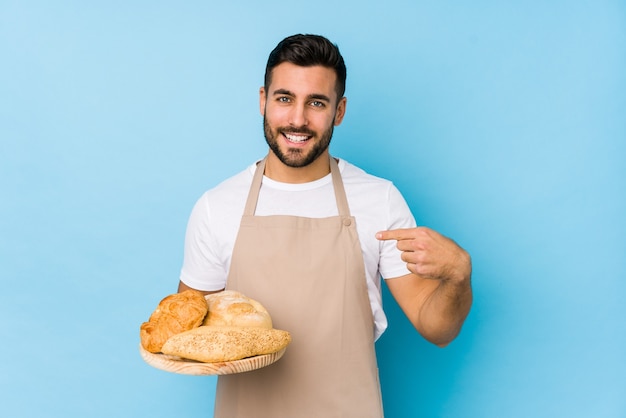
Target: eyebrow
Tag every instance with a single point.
(314, 96)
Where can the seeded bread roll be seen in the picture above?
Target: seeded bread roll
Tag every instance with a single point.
(210, 344)
(232, 308)
(176, 313)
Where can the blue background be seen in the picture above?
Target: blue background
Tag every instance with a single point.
(502, 122)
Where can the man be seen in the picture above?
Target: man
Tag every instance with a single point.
(309, 236)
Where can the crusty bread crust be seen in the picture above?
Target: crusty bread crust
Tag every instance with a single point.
(211, 344)
(232, 308)
(175, 313)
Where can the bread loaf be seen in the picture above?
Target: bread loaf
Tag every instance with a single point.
(212, 344)
(232, 308)
(175, 313)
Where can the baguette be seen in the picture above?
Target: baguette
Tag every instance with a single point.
(212, 344)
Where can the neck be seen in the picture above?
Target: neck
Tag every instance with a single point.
(278, 171)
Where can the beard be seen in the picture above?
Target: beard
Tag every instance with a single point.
(296, 157)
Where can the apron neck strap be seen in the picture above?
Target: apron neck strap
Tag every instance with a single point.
(340, 193)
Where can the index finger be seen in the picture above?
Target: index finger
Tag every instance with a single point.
(397, 234)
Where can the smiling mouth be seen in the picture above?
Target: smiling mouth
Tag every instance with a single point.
(296, 138)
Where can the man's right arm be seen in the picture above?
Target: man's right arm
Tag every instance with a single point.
(182, 287)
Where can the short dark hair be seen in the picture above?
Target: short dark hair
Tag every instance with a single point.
(307, 51)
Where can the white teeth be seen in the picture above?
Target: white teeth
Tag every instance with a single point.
(296, 138)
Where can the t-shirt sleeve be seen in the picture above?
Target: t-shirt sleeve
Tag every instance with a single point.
(202, 267)
(399, 216)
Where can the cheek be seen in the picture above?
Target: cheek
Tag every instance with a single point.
(329, 122)
(276, 116)
(321, 120)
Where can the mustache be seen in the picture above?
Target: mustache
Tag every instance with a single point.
(302, 130)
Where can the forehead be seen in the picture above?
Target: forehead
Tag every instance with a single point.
(303, 80)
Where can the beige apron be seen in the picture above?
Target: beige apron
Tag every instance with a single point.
(309, 274)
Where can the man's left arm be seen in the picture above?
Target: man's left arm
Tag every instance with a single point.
(437, 295)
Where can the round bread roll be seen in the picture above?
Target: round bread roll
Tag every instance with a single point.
(232, 308)
(175, 313)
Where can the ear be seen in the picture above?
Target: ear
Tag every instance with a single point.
(262, 100)
(341, 111)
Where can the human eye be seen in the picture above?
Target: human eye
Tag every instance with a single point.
(283, 99)
(318, 103)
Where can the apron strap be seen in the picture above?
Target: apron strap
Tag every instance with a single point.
(255, 188)
(340, 193)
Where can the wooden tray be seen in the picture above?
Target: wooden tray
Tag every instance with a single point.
(183, 366)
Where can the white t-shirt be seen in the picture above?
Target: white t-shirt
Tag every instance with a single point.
(375, 203)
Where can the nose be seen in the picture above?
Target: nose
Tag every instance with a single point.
(298, 116)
